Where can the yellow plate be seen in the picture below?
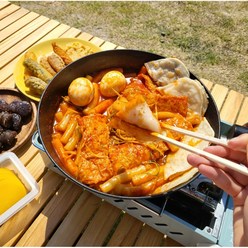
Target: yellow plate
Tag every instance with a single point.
(44, 48)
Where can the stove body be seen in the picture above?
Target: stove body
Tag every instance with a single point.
(199, 214)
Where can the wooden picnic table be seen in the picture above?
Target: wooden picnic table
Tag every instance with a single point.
(63, 214)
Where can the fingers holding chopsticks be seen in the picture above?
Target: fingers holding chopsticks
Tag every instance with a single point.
(218, 172)
(234, 182)
(228, 153)
(236, 150)
(240, 143)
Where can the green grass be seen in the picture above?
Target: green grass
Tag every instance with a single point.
(243, 76)
(211, 38)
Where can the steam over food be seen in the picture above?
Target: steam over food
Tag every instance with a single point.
(102, 135)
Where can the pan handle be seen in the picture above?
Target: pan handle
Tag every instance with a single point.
(37, 142)
(237, 130)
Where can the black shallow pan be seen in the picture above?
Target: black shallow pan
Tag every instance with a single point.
(131, 60)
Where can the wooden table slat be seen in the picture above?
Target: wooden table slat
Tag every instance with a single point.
(150, 237)
(79, 217)
(85, 36)
(7, 21)
(55, 33)
(108, 46)
(45, 224)
(126, 232)
(17, 37)
(3, 4)
(207, 83)
(22, 45)
(219, 92)
(231, 107)
(7, 72)
(7, 83)
(100, 226)
(38, 165)
(72, 32)
(97, 41)
(8, 10)
(17, 25)
(27, 152)
(243, 114)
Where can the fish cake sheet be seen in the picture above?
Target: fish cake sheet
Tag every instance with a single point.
(174, 104)
(94, 164)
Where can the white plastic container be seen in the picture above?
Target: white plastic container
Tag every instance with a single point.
(10, 161)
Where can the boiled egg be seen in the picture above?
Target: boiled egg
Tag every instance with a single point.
(112, 83)
(81, 91)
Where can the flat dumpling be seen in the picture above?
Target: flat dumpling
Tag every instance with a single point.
(197, 96)
(177, 162)
(165, 71)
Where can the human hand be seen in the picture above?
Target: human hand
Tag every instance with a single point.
(234, 183)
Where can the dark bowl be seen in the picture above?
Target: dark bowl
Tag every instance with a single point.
(131, 60)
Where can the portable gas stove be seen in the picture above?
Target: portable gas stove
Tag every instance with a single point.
(199, 214)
